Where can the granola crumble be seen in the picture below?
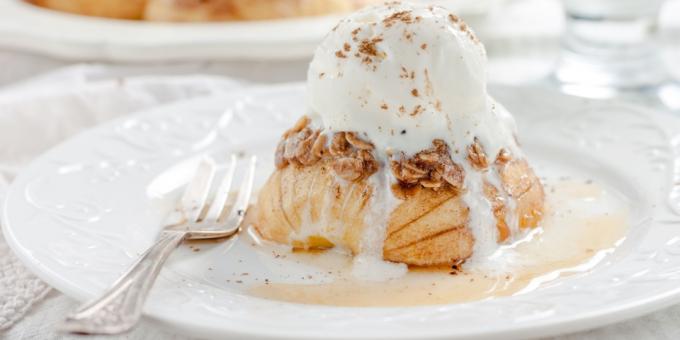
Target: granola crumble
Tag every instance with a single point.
(357, 142)
(502, 157)
(431, 168)
(351, 157)
(476, 155)
(348, 168)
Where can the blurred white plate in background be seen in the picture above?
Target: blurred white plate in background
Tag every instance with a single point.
(34, 29)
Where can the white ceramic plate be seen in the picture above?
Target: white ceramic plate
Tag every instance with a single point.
(64, 35)
(80, 214)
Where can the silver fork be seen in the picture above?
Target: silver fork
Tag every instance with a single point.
(120, 307)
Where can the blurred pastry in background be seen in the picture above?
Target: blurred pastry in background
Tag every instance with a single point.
(202, 10)
(225, 10)
(115, 9)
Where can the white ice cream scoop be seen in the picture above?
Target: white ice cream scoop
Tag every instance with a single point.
(404, 74)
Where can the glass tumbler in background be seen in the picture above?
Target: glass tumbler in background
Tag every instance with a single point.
(609, 50)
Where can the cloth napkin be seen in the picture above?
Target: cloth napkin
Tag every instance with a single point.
(41, 112)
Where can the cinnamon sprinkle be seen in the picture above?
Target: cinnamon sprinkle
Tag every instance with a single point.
(403, 16)
(428, 83)
(438, 105)
(404, 73)
(368, 46)
(354, 33)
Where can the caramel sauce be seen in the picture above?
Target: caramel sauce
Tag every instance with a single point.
(582, 226)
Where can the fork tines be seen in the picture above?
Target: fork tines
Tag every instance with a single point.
(205, 202)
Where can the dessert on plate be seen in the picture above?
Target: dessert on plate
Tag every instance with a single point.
(128, 9)
(402, 155)
(202, 10)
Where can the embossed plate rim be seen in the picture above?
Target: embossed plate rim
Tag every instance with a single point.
(389, 323)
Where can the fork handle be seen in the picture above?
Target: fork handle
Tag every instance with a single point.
(120, 307)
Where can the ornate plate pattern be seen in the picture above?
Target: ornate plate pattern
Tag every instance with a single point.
(80, 214)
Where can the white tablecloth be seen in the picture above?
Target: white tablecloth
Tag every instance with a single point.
(54, 99)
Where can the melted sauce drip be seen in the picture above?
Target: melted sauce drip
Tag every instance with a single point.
(583, 224)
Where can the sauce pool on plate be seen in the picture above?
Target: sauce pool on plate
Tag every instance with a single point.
(583, 224)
